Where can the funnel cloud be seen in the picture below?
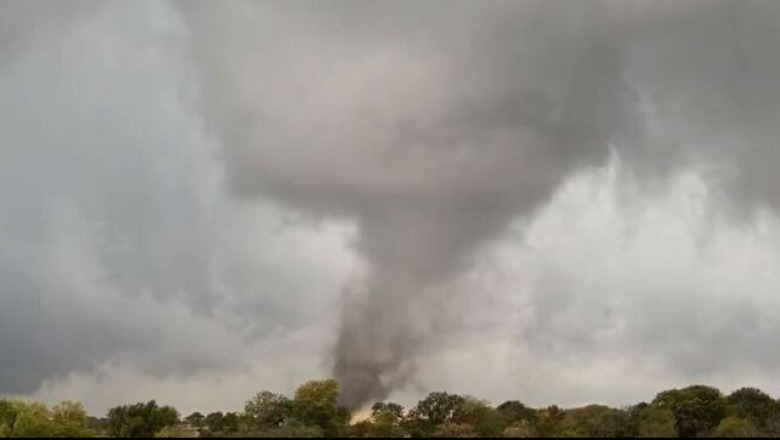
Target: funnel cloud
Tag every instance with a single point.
(434, 125)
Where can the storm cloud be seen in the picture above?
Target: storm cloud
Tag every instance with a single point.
(436, 127)
(117, 245)
(242, 171)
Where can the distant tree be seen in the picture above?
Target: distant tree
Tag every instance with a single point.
(390, 408)
(434, 410)
(697, 409)
(736, 427)
(754, 405)
(486, 420)
(230, 422)
(8, 412)
(549, 424)
(213, 421)
(97, 425)
(614, 423)
(267, 410)
(33, 420)
(70, 420)
(772, 428)
(634, 413)
(515, 413)
(694, 411)
(195, 419)
(439, 407)
(386, 421)
(140, 419)
(293, 429)
(450, 429)
(361, 429)
(595, 421)
(655, 422)
(174, 431)
(315, 404)
(519, 430)
(320, 392)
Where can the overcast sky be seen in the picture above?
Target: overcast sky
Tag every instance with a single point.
(585, 194)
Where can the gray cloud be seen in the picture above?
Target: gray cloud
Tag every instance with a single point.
(26, 24)
(635, 313)
(709, 75)
(435, 128)
(117, 242)
(431, 148)
(417, 132)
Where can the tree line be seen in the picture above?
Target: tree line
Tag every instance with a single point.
(313, 411)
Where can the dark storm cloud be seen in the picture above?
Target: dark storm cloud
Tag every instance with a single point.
(710, 75)
(433, 129)
(434, 125)
(431, 125)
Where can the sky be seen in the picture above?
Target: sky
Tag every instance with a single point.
(560, 202)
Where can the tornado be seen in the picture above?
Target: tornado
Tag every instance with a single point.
(434, 125)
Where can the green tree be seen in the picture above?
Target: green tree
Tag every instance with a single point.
(515, 413)
(97, 425)
(393, 409)
(213, 421)
(450, 429)
(485, 420)
(230, 422)
(595, 421)
(736, 427)
(385, 422)
(8, 412)
(33, 420)
(434, 410)
(754, 405)
(174, 431)
(634, 413)
(517, 419)
(70, 420)
(267, 410)
(697, 409)
(361, 429)
(319, 392)
(549, 424)
(140, 419)
(292, 430)
(315, 404)
(655, 422)
(519, 430)
(195, 419)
